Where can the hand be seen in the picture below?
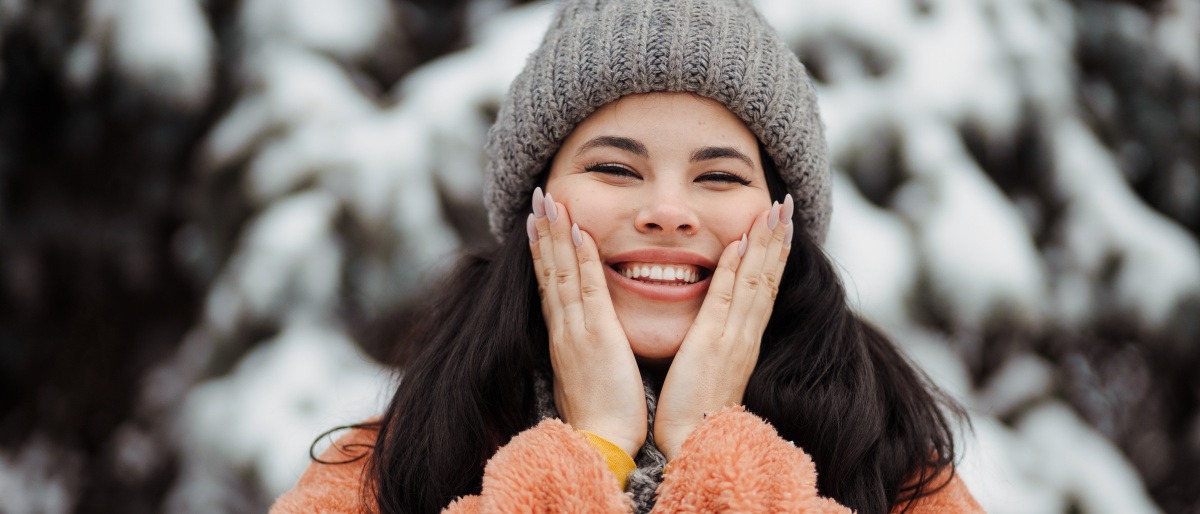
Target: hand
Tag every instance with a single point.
(719, 352)
(597, 386)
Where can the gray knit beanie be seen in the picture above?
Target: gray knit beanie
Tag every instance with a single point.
(597, 51)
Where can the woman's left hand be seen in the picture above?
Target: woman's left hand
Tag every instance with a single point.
(719, 352)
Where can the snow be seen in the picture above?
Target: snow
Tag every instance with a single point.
(267, 412)
(999, 467)
(1159, 262)
(1082, 463)
(39, 478)
(286, 265)
(1021, 380)
(1176, 33)
(980, 259)
(166, 47)
(875, 253)
(347, 29)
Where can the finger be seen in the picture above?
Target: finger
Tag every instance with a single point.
(715, 310)
(566, 262)
(593, 287)
(749, 274)
(547, 288)
(774, 260)
(538, 266)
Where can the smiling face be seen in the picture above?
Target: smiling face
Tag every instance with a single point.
(662, 182)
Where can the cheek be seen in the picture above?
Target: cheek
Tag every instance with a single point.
(730, 224)
(595, 212)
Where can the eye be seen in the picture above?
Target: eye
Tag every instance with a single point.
(615, 170)
(723, 177)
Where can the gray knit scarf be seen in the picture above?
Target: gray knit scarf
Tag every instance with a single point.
(643, 481)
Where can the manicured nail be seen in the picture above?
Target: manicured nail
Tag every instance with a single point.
(539, 203)
(742, 246)
(773, 216)
(531, 228)
(787, 235)
(789, 207)
(576, 236)
(551, 209)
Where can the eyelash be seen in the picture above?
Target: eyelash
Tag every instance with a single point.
(615, 169)
(725, 176)
(611, 169)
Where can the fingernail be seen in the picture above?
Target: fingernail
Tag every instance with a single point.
(789, 208)
(773, 216)
(742, 246)
(531, 228)
(551, 209)
(576, 236)
(539, 203)
(787, 235)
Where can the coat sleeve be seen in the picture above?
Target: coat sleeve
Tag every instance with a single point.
(547, 468)
(736, 462)
(335, 488)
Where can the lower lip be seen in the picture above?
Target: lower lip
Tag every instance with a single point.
(659, 292)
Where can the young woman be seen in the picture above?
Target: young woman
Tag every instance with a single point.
(658, 328)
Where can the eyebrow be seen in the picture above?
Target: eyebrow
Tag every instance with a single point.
(636, 147)
(720, 152)
(621, 143)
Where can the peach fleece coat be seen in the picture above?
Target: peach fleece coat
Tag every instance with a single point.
(732, 462)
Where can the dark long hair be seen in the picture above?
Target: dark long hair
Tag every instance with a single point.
(826, 379)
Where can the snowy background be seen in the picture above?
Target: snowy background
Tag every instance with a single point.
(215, 215)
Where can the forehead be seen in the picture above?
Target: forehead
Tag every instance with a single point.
(675, 119)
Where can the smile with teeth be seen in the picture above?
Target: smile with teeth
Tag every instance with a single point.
(663, 274)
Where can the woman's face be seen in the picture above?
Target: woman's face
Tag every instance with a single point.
(662, 182)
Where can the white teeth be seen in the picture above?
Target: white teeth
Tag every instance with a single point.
(678, 273)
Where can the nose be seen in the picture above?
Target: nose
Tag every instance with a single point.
(666, 212)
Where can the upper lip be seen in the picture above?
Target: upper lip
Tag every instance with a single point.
(662, 256)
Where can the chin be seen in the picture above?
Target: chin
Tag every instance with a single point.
(656, 340)
(655, 352)
(655, 329)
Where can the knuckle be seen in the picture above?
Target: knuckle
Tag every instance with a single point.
(769, 280)
(563, 276)
(778, 235)
(752, 281)
(589, 290)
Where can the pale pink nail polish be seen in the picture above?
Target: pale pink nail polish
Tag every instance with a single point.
(789, 208)
(539, 203)
(773, 216)
(576, 237)
(551, 209)
(787, 236)
(531, 228)
(742, 246)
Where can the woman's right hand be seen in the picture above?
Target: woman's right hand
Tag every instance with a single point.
(597, 386)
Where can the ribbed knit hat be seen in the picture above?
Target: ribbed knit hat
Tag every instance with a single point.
(597, 51)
